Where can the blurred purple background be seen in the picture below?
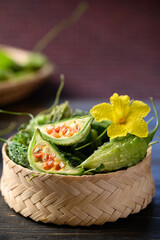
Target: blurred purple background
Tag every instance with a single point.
(115, 47)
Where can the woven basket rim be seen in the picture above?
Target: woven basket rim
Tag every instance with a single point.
(77, 200)
(95, 176)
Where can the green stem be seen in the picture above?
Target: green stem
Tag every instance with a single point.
(56, 30)
(150, 144)
(150, 120)
(59, 91)
(152, 133)
(56, 98)
(3, 140)
(86, 145)
(17, 113)
(8, 129)
(36, 175)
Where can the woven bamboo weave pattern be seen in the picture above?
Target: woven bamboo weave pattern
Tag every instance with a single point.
(77, 200)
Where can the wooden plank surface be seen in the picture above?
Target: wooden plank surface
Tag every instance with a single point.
(144, 225)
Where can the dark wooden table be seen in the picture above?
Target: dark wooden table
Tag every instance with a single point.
(144, 225)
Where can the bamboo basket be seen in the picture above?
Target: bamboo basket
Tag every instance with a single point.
(13, 90)
(77, 200)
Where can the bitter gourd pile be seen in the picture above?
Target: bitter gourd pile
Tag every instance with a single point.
(63, 141)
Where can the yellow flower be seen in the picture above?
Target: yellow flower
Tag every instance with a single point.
(126, 116)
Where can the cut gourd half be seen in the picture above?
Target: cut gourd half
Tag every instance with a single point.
(46, 157)
(67, 132)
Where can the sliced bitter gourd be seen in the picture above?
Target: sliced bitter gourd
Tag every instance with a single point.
(45, 157)
(67, 132)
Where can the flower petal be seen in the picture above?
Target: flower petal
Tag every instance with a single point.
(116, 130)
(102, 111)
(121, 106)
(137, 127)
(115, 99)
(139, 109)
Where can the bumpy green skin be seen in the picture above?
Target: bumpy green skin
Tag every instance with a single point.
(18, 153)
(67, 170)
(118, 153)
(58, 113)
(86, 120)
